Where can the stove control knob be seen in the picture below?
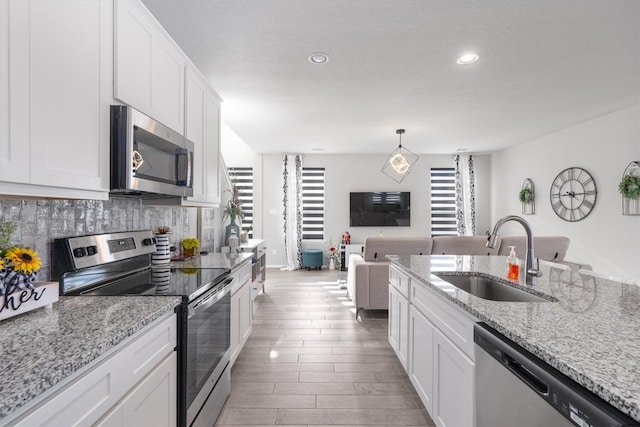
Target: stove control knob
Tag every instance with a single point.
(92, 250)
(149, 241)
(79, 252)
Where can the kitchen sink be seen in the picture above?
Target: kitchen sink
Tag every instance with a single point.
(490, 288)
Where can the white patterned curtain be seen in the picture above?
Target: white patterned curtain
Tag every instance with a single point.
(292, 210)
(465, 196)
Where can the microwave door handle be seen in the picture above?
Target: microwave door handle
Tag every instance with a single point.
(183, 167)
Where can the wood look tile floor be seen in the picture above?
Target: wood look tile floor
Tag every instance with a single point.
(309, 362)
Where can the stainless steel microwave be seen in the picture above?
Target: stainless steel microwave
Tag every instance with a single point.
(148, 158)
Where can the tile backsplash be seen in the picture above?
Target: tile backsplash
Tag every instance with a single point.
(39, 222)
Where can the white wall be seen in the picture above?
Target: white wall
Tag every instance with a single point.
(346, 173)
(606, 239)
(238, 154)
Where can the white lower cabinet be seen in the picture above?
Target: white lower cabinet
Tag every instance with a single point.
(420, 370)
(241, 309)
(135, 385)
(435, 351)
(151, 403)
(399, 324)
(453, 385)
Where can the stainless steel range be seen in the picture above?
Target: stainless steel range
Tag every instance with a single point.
(119, 264)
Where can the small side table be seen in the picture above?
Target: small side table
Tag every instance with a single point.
(348, 249)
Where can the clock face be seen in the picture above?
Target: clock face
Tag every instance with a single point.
(573, 194)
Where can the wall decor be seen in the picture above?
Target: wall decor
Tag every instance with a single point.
(527, 197)
(573, 194)
(629, 189)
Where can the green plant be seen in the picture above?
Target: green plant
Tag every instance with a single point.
(233, 209)
(526, 195)
(629, 187)
(190, 243)
(6, 230)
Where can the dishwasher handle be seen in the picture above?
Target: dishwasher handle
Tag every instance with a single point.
(528, 377)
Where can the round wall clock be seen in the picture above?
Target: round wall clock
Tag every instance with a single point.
(573, 194)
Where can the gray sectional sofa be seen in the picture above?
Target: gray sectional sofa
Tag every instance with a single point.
(368, 275)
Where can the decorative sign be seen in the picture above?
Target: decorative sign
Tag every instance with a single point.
(24, 300)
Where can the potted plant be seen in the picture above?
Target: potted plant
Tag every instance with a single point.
(232, 210)
(190, 246)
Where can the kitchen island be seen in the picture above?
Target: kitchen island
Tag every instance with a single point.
(589, 329)
(44, 348)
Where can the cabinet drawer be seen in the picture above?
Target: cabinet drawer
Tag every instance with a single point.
(451, 320)
(148, 350)
(400, 281)
(241, 275)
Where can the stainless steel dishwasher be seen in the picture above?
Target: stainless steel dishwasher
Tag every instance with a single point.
(515, 388)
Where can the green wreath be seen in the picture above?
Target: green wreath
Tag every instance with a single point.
(526, 195)
(629, 187)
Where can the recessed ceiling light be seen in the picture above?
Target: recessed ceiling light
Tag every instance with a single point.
(468, 58)
(318, 58)
(317, 149)
(461, 150)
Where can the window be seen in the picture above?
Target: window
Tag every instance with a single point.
(242, 178)
(312, 203)
(443, 202)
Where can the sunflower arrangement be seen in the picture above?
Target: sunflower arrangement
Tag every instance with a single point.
(18, 268)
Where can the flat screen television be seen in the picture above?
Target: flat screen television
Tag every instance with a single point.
(380, 209)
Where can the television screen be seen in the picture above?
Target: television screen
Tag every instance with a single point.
(382, 208)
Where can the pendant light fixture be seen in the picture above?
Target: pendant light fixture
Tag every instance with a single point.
(400, 161)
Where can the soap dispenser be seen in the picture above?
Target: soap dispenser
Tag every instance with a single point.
(513, 265)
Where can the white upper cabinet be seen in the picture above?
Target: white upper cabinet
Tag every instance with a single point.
(55, 92)
(202, 126)
(196, 96)
(212, 132)
(149, 67)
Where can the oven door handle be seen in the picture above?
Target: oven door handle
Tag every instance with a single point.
(212, 298)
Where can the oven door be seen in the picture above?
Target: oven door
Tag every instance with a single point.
(208, 336)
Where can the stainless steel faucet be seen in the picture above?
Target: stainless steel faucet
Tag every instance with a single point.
(529, 260)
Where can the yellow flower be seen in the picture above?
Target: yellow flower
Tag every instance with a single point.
(1, 263)
(24, 260)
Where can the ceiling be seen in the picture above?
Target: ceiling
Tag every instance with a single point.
(544, 65)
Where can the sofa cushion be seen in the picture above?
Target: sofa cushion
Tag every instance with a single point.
(548, 248)
(463, 245)
(377, 248)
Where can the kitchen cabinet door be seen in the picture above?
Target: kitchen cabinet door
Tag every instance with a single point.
(202, 126)
(212, 142)
(153, 402)
(234, 347)
(149, 68)
(196, 95)
(420, 369)
(134, 41)
(246, 312)
(399, 324)
(14, 105)
(241, 315)
(454, 385)
(57, 82)
(168, 83)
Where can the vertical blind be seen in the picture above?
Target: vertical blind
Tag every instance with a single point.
(312, 203)
(242, 178)
(443, 202)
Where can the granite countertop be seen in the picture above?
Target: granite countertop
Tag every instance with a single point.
(229, 260)
(41, 348)
(591, 333)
